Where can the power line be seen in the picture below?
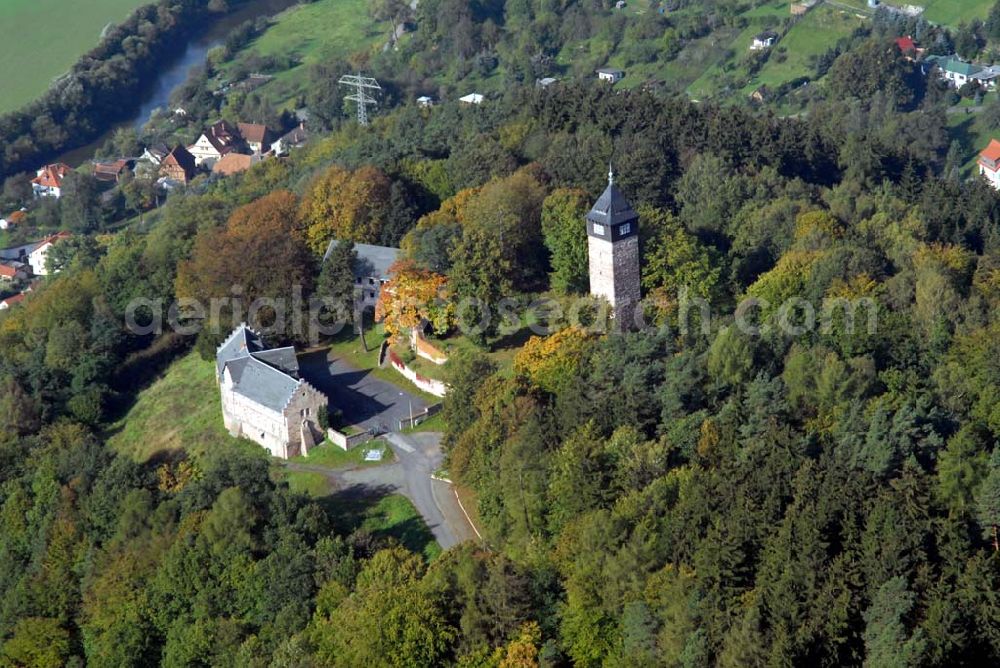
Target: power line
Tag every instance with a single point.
(363, 99)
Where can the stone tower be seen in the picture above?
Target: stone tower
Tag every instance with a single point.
(613, 245)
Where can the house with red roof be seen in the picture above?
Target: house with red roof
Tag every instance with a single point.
(11, 272)
(13, 220)
(11, 301)
(258, 137)
(48, 180)
(908, 47)
(178, 166)
(217, 141)
(39, 251)
(989, 163)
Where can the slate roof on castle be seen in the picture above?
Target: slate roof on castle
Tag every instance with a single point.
(611, 207)
(267, 376)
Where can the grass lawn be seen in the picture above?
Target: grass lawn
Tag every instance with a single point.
(380, 515)
(953, 12)
(41, 39)
(330, 456)
(812, 36)
(179, 411)
(313, 33)
(434, 423)
(973, 135)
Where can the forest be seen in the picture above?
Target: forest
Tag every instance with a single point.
(701, 496)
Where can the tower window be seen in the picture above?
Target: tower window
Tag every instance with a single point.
(598, 229)
(625, 229)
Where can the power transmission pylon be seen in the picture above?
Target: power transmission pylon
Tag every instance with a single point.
(360, 83)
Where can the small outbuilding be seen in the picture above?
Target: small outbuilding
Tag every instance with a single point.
(610, 74)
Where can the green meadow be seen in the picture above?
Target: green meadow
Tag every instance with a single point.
(313, 33)
(41, 39)
(953, 12)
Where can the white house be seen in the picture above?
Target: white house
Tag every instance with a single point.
(48, 180)
(263, 398)
(764, 40)
(40, 252)
(989, 163)
(13, 220)
(214, 143)
(256, 136)
(371, 271)
(425, 101)
(293, 139)
(33, 255)
(610, 74)
(472, 98)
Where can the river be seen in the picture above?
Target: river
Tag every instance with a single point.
(175, 72)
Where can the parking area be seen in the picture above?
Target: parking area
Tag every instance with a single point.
(364, 399)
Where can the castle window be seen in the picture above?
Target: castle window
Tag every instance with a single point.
(598, 229)
(625, 229)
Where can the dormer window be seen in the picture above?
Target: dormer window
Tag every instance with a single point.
(598, 229)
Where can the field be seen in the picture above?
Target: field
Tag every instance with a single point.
(313, 33)
(41, 39)
(953, 12)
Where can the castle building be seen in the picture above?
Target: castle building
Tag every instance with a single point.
(613, 248)
(263, 398)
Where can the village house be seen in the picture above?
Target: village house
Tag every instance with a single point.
(958, 73)
(155, 154)
(217, 141)
(425, 101)
(12, 220)
(178, 167)
(545, 82)
(764, 40)
(112, 172)
(909, 48)
(294, 139)
(235, 163)
(48, 181)
(32, 256)
(39, 252)
(12, 272)
(471, 98)
(610, 74)
(989, 163)
(371, 271)
(257, 136)
(11, 301)
(263, 397)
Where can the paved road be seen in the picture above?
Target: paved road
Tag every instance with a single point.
(418, 456)
(364, 399)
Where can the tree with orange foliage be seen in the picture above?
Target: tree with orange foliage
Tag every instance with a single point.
(412, 297)
(346, 205)
(261, 250)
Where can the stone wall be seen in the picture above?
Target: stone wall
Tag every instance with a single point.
(345, 442)
(429, 385)
(423, 348)
(305, 406)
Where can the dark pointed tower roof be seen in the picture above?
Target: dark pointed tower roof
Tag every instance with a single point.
(611, 207)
